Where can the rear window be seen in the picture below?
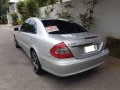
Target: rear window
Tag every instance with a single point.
(62, 27)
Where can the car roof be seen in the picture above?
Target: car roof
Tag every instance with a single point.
(49, 18)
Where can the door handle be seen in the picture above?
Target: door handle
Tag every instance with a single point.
(30, 38)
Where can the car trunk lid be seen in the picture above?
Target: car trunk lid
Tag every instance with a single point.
(83, 44)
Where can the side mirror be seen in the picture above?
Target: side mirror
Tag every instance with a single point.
(16, 29)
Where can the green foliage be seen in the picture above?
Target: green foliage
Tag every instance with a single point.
(28, 8)
(3, 10)
(60, 1)
(48, 9)
(32, 8)
(64, 15)
(47, 12)
(4, 18)
(3, 6)
(43, 3)
(87, 18)
(21, 8)
(52, 1)
(19, 22)
(14, 18)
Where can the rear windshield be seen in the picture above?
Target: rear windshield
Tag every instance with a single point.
(62, 27)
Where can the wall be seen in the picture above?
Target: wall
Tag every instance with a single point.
(107, 15)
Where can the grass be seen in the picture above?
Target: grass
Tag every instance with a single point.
(114, 47)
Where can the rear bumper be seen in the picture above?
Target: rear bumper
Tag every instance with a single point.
(73, 66)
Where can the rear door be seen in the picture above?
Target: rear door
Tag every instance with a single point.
(31, 33)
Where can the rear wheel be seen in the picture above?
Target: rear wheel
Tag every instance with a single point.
(36, 63)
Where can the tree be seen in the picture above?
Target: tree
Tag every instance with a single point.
(3, 10)
(21, 8)
(32, 8)
(28, 8)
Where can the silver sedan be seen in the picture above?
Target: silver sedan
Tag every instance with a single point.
(61, 47)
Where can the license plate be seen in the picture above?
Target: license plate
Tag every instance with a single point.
(89, 49)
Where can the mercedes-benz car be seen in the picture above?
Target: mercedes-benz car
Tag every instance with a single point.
(60, 47)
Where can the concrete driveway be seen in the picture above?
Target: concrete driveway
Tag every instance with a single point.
(16, 71)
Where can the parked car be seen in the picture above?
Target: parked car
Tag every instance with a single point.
(60, 47)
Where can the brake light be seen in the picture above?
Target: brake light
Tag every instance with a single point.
(61, 51)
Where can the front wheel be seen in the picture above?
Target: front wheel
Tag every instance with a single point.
(36, 63)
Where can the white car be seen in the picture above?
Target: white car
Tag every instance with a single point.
(60, 47)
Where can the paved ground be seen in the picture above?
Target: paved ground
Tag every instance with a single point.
(16, 72)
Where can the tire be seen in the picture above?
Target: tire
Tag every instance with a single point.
(16, 44)
(36, 63)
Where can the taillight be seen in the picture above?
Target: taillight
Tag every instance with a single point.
(61, 51)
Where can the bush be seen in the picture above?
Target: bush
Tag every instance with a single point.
(32, 8)
(14, 18)
(19, 22)
(4, 18)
